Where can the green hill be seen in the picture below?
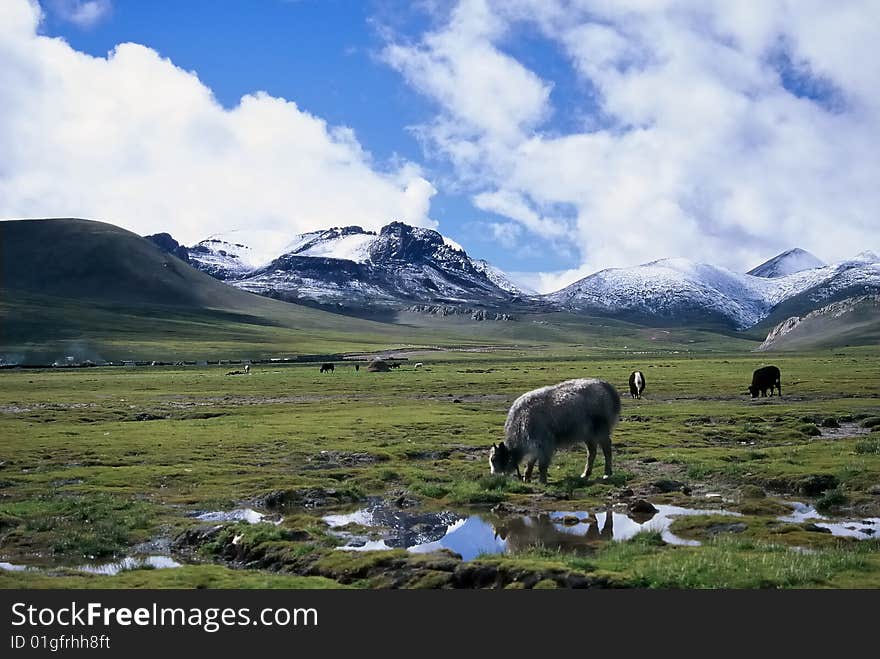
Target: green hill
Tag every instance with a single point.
(94, 291)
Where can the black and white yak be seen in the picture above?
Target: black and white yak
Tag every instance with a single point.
(636, 384)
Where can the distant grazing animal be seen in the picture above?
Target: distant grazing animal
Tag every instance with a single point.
(636, 384)
(763, 379)
(394, 365)
(419, 365)
(543, 420)
(357, 367)
(326, 367)
(247, 369)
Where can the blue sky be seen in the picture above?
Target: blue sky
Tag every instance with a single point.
(551, 137)
(326, 56)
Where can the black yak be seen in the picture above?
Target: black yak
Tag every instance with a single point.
(763, 379)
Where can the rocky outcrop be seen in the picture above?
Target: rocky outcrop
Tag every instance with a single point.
(449, 310)
(831, 311)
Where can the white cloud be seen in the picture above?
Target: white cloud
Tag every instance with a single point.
(549, 282)
(505, 233)
(84, 13)
(134, 140)
(726, 131)
(512, 205)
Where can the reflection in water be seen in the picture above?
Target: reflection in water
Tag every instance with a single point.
(130, 563)
(800, 512)
(108, 569)
(404, 528)
(862, 529)
(477, 534)
(239, 515)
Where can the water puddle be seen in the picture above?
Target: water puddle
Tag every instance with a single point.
(248, 515)
(473, 535)
(401, 528)
(862, 529)
(106, 569)
(845, 430)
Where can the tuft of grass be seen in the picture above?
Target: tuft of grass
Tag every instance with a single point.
(93, 525)
(831, 499)
(868, 447)
(733, 563)
(431, 490)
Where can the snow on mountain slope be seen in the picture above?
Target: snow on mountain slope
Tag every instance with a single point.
(866, 257)
(222, 259)
(787, 263)
(679, 289)
(348, 243)
(501, 278)
(350, 266)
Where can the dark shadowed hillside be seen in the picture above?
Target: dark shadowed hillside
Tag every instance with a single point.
(88, 260)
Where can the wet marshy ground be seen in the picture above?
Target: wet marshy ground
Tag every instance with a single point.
(473, 535)
(380, 526)
(860, 528)
(106, 569)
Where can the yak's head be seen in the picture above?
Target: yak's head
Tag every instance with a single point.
(753, 390)
(499, 459)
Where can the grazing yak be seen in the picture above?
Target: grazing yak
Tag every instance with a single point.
(247, 369)
(763, 379)
(418, 365)
(327, 368)
(543, 420)
(357, 367)
(636, 384)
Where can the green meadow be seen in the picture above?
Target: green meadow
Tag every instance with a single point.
(97, 461)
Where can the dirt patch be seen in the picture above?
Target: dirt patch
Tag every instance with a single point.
(314, 497)
(340, 459)
(844, 430)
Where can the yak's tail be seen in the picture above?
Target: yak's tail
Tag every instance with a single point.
(615, 403)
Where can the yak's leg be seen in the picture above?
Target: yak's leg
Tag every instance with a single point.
(529, 467)
(542, 472)
(606, 449)
(518, 475)
(588, 468)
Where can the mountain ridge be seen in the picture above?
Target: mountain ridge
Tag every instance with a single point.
(401, 265)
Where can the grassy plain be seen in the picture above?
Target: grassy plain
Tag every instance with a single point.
(95, 461)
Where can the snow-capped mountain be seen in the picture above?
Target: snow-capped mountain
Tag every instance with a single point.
(402, 266)
(352, 267)
(787, 263)
(681, 290)
(221, 258)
